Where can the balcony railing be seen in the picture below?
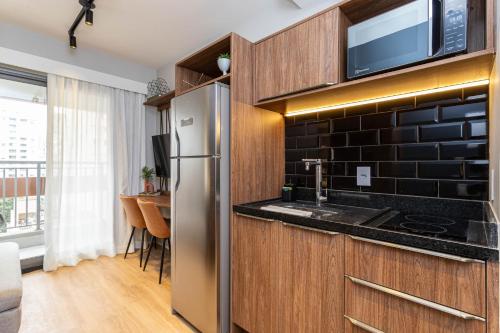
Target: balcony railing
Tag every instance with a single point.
(22, 196)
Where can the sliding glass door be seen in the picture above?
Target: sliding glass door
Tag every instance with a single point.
(23, 126)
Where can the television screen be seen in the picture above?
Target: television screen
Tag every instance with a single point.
(161, 150)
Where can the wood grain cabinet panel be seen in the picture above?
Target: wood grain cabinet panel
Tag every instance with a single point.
(254, 274)
(459, 285)
(311, 281)
(300, 58)
(391, 314)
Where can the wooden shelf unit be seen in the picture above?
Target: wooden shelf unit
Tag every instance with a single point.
(223, 79)
(201, 68)
(161, 102)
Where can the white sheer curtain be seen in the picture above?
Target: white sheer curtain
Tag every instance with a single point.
(95, 149)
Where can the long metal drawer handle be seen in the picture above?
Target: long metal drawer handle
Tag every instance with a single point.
(332, 233)
(256, 217)
(362, 325)
(417, 300)
(412, 249)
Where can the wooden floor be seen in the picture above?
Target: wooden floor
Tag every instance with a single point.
(107, 295)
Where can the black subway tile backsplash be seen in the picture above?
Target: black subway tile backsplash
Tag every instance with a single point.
(378, 153)
(454, 96)
(295, 155)
(321, 127)
(426, 188)
(463, 151)
(346, 154)
(363, 138)
(290, 143)
(381, 185)
(344, 183)
(439, 148)
(295, 130)
(307, 142)
(397, 105)
(417, 152)
(441, 170)
(346, 124)
(398, 169)
(477, 129)
(418, 117)
(442, 132)
(463, 111)
(463, 190)
(477, 170)
(336, 169)
(379, 120)
(339, 139)
(306, 117)
(398, 135)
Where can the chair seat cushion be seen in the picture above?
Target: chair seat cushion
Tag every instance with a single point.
(11, 289)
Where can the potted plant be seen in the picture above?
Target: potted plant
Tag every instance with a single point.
(147, 175)
(224, 61)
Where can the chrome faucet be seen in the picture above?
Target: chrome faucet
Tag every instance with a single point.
(319, 177)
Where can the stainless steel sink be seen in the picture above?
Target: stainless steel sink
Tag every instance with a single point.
(332, 212)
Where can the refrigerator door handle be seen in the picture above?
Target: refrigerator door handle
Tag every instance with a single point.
(178, 181)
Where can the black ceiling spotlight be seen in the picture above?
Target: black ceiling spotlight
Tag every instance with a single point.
(87, 6)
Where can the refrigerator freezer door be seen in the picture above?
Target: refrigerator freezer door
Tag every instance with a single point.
(196, 122)
(195, 225)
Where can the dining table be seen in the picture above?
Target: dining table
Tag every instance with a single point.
(161, 201)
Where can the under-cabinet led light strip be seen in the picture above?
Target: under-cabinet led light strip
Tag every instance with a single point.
(390, 98)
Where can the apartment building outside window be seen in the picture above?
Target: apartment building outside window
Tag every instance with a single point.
(23, 113)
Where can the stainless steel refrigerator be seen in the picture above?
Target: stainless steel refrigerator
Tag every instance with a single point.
(200, 207)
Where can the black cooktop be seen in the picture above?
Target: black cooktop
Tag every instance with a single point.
(455, 229)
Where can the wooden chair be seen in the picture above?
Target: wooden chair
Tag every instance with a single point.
(157, 227)
(135, 219)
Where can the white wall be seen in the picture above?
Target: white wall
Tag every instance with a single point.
(281, 16)
(19, 39)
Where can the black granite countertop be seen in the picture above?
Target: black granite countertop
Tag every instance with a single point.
(362, 214)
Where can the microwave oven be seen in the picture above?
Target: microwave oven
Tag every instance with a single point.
(415, 32)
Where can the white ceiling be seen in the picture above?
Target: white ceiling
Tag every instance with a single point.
(156, 32)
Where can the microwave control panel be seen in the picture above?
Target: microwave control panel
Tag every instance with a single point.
(455, 26)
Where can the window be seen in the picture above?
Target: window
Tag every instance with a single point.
(23, 109)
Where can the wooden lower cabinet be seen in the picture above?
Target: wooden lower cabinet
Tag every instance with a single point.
(289, 278)
(285, 278)
(386, 313)
(254, 274)
(311, 274)
(454, 282)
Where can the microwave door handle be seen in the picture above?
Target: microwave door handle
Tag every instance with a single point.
(435, 8)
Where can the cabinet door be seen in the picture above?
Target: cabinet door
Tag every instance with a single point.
(373, 308)
(459, 285)
(311, 281)
(300, 58)
(254, 272)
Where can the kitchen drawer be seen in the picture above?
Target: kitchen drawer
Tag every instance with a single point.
(444, 279)
(375, 309)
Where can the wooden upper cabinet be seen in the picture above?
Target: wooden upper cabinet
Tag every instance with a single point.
(311, 281)
(300, 58)
(254, 274)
